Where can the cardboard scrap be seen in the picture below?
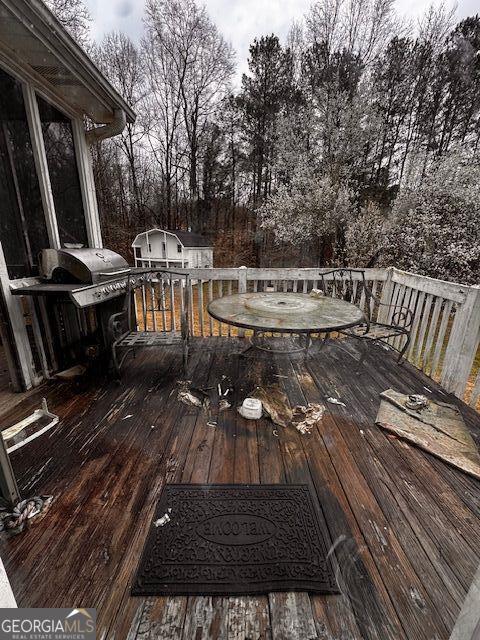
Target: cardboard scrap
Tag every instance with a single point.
(438, 428)
(305, 418)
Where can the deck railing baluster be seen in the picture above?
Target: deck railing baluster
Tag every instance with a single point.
(210, 298)
(432, 330)
(200, 307)
(173, 320)
(439, 343)
(423, 329)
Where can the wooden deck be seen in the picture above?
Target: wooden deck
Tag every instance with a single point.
(407, 526)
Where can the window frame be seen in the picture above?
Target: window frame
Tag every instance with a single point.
(29, 376)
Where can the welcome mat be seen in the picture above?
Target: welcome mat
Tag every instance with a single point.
(233, 540)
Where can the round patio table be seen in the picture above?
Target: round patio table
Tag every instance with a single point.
(292, 313)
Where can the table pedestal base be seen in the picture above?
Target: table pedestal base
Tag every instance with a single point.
(291, 344)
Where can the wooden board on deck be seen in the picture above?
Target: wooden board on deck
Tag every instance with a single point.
(438, 429)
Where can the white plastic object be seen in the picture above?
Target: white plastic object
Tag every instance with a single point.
(251, 409)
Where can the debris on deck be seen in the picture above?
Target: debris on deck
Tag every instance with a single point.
(193, 396)
(275, 404)
(188, 398)
(336, 401)
(34, 425)
(223, 405)
(73, 373)
(305, 418)
(225, 386)
(161, 522)
(251, 409)
(437, 428)
(416, 402)
(14, 520)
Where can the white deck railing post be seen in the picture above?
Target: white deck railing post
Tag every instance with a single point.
(242, 288)
(385, 298)
(463, 343)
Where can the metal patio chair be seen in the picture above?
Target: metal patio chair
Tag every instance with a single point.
(125, 335)
(350, 285)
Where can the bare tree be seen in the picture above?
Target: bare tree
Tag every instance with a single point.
(190, 66)
(121, 62)
(360, 27)
(75, 17)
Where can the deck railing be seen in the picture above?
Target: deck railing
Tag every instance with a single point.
(445, 331)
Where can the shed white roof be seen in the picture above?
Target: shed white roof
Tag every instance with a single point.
(188, 239)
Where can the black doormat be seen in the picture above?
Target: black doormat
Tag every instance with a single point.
(235, 539)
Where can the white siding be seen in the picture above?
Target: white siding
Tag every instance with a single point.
(163, 248)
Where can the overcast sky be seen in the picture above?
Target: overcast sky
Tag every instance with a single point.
(240, 21)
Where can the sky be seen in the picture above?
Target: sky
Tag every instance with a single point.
(240, 21)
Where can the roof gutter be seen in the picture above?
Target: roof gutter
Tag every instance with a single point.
(114, 128)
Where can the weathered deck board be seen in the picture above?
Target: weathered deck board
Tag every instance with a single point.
(407, 526)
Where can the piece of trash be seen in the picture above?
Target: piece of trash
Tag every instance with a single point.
(212, 423)
(192, 396)
(34, 425)
(224, 386)
(188, 398)
(162, 521)
(251, 409)
(14, 520)
(316, 293)
(152, 426)
(130, 415)
(275, 404)
(77, 371)
(336, 401)
(416, 402)
(224, 404)
(362, 432)
(275, 433)
(304, 418)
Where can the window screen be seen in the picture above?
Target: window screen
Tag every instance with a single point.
(62, 167)
(23, 231)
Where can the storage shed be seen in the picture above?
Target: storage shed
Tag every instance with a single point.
(172, 248)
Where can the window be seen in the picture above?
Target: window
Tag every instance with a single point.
(23, 231)
(62, 167)
(149, 248)
(179, 248)
(164, 247)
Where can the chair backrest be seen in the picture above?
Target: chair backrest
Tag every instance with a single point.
(138, 279)
(347, 284)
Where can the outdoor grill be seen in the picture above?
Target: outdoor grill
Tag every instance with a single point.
(80, 290)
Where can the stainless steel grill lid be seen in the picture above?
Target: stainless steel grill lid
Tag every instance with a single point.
(86, 266)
